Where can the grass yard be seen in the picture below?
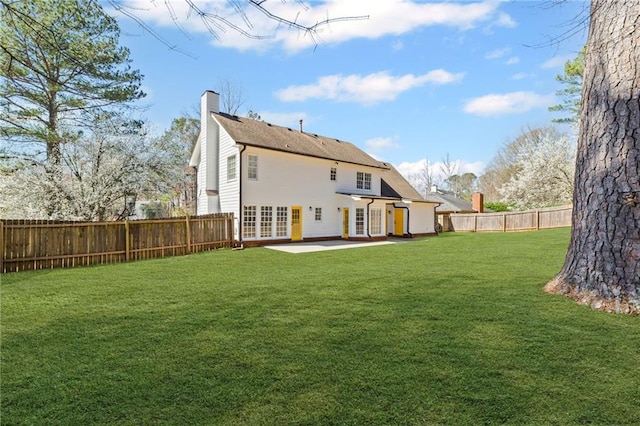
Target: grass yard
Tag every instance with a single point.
(453, 329)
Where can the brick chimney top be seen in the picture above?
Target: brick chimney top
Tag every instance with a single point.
(477, 201)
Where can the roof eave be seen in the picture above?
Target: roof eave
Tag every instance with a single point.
(255, 145)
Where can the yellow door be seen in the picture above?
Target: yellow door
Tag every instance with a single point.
(296, 223)
(345, 222)
(398, 222)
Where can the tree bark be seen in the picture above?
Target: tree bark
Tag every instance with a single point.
(602, 267)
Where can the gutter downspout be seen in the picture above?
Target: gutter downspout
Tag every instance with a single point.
(240, 196)
(369, 217)
(195, 189)
(408, 217)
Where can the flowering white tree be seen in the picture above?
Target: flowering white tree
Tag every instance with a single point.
(542, 172)
(99, 172)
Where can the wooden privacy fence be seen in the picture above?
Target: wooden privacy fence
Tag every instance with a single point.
(509, 221)
(31, 244)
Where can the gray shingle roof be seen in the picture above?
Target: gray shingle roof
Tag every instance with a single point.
(450, 203)
(265, 135)
(395, 185)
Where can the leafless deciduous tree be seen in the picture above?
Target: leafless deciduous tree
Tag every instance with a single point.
(449, 167)
(231, 95)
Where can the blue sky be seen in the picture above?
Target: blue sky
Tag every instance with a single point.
(416, 80)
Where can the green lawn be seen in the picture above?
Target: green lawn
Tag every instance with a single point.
(453, 329)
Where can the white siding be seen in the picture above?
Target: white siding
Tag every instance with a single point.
(422, 218)
(294, 180)
(229, 190)
(347, 174)
(205, 203)
(202, 203)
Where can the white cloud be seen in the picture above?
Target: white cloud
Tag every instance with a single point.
(381, 144)
(398, 45)
(512, 60)
(520, 76)
(498, 53)
(508, 103)
(389, 17)
(556, 62)
(367, 89)
(504, 20)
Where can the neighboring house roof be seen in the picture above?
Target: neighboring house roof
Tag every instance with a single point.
(265, 135)
(450, 203)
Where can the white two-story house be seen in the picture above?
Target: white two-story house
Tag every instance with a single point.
(284, 184)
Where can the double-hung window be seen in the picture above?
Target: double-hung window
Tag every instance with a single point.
(252, 167)
(359, 221)
(249, 222)
(231, 168)
(266, 221)
(318, 215)
(333, 173)
(363, 180)
(376, 221)
(281, 221)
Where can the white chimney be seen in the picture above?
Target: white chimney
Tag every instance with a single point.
(210, 102)
(208, 139)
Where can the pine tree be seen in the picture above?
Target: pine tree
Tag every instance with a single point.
(61, 65)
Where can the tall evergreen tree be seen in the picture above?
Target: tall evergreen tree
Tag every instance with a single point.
(60, 65)
(602, 267)
(571, 91)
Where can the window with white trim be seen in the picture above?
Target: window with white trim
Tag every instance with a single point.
(252, 167)
(249, 222)
(318, 214)
(376, 221)
(334, 173)
(266, 221)
(363, 180)
(282, 215)
(231, 167)
(359, 221)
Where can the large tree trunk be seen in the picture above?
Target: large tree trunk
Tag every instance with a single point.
(602, 268)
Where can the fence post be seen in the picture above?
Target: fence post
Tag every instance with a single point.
(504, 222)
(1, 246)
(127, 241)
(537, 220)
(188, 234)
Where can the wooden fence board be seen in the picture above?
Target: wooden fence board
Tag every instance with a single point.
(30, 244)
(510, 221)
